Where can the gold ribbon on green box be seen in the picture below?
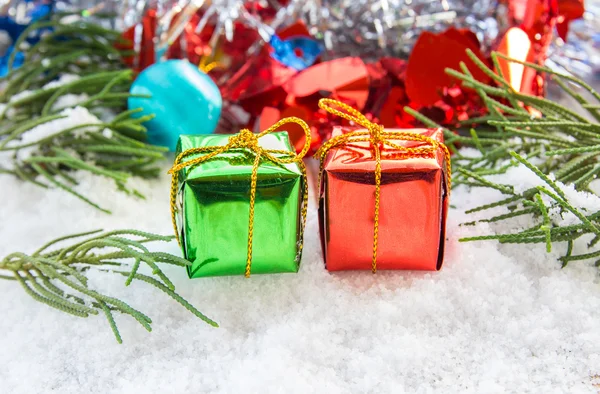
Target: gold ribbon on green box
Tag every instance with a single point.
(214, 174)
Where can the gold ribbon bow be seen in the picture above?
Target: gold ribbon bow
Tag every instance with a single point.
(376, 136)
(206, 68)
(247, 141)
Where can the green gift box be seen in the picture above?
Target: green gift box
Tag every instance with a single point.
(212, 200)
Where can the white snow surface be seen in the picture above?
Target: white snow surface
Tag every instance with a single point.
(495, 319)
(71, 117)
(62, 80)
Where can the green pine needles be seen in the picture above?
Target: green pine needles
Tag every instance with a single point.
(55, 128)
(56, 276)
(563, 143)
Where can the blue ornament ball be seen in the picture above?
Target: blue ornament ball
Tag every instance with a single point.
(184, 101)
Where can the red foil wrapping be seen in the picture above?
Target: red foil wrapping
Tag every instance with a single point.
(255, 87)
(146, 55)
(413, 206)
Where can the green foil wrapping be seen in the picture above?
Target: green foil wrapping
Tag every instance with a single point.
(213, 204)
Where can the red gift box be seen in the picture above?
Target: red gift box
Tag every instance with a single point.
(392, 221)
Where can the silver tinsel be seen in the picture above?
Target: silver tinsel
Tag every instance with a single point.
(369, 28)
(366, 28)
(391, 27)
(580, 54)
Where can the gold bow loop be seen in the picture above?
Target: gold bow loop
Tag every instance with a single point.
(376, 135)
(247, 141)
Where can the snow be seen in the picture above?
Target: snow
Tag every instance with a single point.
(69, 100)
(519, 178)
(471, 153)
(62, 80)
(585, 201)
(497, 318)
(71, 117)
(522, 180)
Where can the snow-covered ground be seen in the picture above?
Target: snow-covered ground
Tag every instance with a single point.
(496, 318)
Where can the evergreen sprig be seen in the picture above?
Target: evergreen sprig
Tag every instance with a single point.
(113, 148)
(57, 276)
(520, 129)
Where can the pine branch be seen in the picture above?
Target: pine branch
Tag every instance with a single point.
(563, 143)
(114, 149)
(105, 252)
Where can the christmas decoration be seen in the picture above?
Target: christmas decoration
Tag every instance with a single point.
(278, 59)
(13, 21)
(218, 181)
(576, 52)
(381, 87)
(559, 145)
(180, 98)
(409, 172)
(433, 53)
(57, 276)
(64, 110)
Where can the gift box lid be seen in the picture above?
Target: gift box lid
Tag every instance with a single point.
(237, 164)
(359, 156)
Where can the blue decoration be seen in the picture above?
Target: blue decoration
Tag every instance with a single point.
(19, 58)
(296, 52)
(14, 30)
(184, 101)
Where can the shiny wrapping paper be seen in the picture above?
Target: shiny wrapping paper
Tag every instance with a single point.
(380, 56)
(213, 207)
(413, 206)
